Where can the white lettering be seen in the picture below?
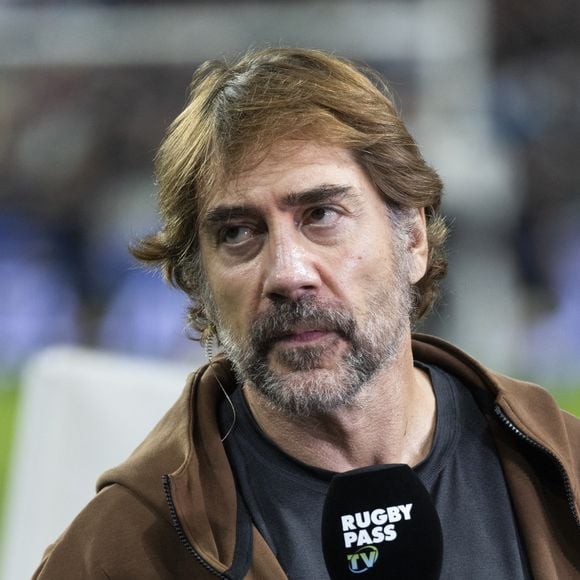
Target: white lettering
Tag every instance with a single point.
(406, 509)
(378, 535)
(379, 517)
(390, 533)
(362, 520)
(347, 523)
(367, 527)
(349, 539)
(364, 538)
(394, 515)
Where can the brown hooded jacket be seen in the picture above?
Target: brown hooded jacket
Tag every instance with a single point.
(170, 511)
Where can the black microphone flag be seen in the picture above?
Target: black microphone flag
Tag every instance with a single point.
(380, 522)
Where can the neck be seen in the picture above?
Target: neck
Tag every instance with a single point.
(392, 421)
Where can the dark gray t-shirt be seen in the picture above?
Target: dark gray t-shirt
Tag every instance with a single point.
(462, 472)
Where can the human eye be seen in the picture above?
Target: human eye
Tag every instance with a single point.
(235, 235)
(322, 216)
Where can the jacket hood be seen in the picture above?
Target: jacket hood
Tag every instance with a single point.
(186, 445)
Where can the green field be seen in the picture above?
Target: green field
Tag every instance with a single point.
(569, 400)
(8, 405)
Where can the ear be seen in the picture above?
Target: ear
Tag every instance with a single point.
(418, 246)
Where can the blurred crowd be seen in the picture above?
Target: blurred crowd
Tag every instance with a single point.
(537, 108)
(76, 159)
(77, 186)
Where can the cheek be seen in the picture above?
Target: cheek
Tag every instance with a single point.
(369, 260)
(232, 295)
(352, 276)
(223, 295)
(361, 273)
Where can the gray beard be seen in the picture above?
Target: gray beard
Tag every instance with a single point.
(305, 388)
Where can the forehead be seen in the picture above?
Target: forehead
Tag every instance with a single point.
(292, 167)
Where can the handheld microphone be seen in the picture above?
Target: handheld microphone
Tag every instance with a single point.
(380, 522)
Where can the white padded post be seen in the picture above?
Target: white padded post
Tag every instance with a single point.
(81, 412)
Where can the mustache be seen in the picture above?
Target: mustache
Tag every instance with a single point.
(284, 318)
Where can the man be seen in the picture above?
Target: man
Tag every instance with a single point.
(302, 221)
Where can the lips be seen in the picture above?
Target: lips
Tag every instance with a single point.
(301, 323)
(303, 336)
(304, 328)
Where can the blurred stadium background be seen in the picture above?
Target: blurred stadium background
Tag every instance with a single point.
(490, 89)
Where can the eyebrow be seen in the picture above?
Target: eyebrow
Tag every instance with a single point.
(319, 194)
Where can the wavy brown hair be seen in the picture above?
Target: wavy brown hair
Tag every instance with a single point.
(237, 111)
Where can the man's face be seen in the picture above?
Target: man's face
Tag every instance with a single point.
(307, 280)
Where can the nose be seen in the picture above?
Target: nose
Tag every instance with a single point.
(290, 270)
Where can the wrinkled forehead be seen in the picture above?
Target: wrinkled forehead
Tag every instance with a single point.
(288, 165)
